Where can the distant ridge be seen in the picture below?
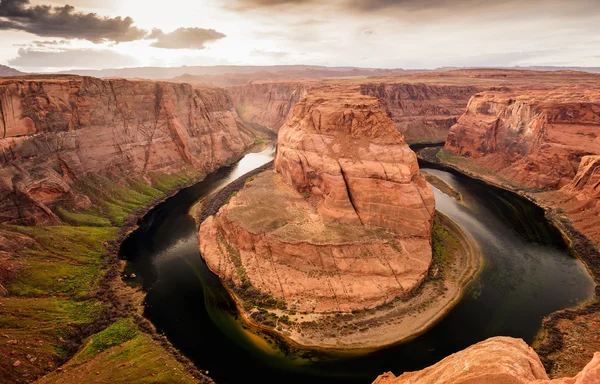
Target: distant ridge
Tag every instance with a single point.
(164, 73)
(8, 71)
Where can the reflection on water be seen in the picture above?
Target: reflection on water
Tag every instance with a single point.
(527, 275)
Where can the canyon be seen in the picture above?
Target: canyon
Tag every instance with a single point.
(342, 223)
(81, 159)
(422, 112)
(542, 141)
(59, 131)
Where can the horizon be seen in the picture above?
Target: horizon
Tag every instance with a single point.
(47, 36)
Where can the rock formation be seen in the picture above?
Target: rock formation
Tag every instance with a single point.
(497, 360)
(533, 138)
(344, 221)
(538, 140)
(55, 130)
(422, 112)
(267, 104)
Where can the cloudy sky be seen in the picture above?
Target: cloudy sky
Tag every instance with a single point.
(49, 35)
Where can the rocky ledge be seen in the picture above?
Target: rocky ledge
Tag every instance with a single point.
(342, 226)
(497, 360)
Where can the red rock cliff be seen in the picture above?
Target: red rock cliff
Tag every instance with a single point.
(267, 104)
(345, 221)
(422, 112)
(55, 130)
(534, 139)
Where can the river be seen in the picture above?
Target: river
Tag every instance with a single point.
(527, 274)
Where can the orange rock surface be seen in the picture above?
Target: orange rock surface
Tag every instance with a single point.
(422, 112)
(534, 138)
(267, 104)
(538, 140)
(499, 360)
(343, 223)
(55, 130)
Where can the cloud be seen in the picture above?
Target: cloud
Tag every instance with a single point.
(44, 43)
(270, 54)
(368, 32)
(182, 38)
(435, 8)
(72, 58)
(49, 21)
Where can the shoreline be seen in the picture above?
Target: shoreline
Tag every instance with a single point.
(549, 339)
(114, 287)
(438, 298)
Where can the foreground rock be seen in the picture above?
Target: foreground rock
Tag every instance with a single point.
(496, 360)
(342, 224)
(55, 131)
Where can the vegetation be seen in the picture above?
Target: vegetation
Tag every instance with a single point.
(444, 246)
(57, 294)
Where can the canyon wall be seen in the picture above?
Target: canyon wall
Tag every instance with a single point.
(57, 130)
(422, 112)
(266, 104)
(546, 141)
(496, 360)
(343, 223)
(533, 138)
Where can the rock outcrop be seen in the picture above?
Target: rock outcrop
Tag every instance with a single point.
(56, 130)
(344, 221)
(424, 113)
(266, 104)
(497, 360)
(534, 139)
(537, 140)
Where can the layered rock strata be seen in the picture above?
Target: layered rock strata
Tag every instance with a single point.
(56, 130)
(344, 221)
(496, 360)
(424, 113)
(266, 104)
(535, 139)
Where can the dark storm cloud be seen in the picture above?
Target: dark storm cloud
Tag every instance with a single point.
(66, 22)
(182, 38)
(71, 58)
(439, 7)
(49, 21)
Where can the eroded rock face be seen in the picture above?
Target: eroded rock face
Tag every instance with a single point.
(423, 113)
(343, 149)
(538, 140)
(535, 139)
(343, 223)
(497, 360)
(55, 130)
(267, 104)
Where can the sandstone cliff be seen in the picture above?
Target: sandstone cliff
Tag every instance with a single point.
(267, 104)
(57, 130)
(344, 221)
(422, 112)
(533, 138)
(538, 140)
(497, 360)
